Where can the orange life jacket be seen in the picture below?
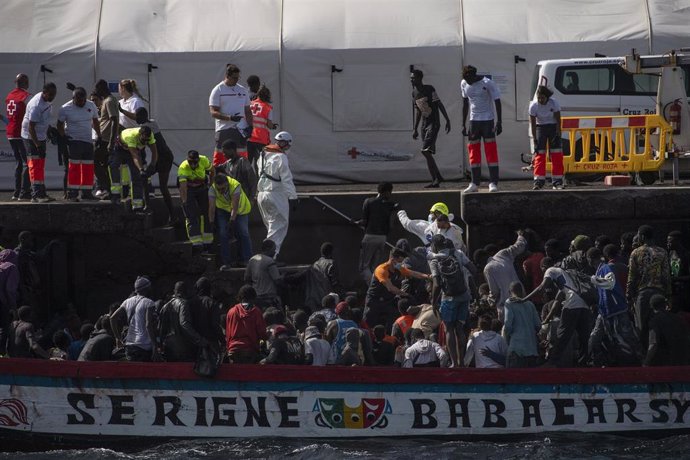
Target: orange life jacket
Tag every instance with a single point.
(404, 323)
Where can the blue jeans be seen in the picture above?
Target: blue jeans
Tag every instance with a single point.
(240, 229)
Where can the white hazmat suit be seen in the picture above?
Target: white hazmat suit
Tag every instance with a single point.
(275, 189)
(425, 230)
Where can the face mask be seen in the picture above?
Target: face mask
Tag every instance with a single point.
(431, 217)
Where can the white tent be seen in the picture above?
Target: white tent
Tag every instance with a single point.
(338, 69)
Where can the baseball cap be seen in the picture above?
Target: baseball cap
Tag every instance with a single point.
(341, 307)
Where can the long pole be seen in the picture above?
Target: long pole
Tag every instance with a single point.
(343, 215)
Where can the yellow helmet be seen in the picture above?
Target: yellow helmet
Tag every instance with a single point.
(440, 207)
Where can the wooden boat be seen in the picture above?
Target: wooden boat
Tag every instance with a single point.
(98, 401)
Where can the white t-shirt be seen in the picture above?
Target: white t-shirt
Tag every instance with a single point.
(545, 113)
(38, 110)
(232, 100)
(137, 334)
(482, 95)
(78, 120)
(565, 284)
(319, 349)
(130, 105)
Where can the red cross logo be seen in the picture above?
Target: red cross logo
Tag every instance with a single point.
(353, 152)
(255, 108)
(11, 107)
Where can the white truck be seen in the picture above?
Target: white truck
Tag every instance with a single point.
(626, 85)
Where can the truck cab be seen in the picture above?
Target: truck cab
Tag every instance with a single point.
(601, 87)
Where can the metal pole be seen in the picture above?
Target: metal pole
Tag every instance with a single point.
(344, 216)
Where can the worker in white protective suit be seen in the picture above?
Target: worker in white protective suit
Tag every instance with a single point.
(276, 190)
(438, 223)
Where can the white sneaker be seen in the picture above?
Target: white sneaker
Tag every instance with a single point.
(493, 187)
(99, 194)
(472, 188)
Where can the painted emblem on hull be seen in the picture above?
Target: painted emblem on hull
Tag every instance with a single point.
(334, 413)
(12, 413)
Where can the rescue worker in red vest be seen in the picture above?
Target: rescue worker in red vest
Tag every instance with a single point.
(276, 188)
(15, 104)
(262, 112)
(545, 127)
(76, 119)
(193, 176)
(228, 208)
(34, 133)
(132, 140)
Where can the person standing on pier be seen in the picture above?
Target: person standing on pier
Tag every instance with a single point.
(229, 105)
(15, 106)
(34, 134)
(427, 106)
(76, 118)
(479, 95)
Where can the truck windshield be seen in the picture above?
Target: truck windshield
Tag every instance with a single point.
(535, 80)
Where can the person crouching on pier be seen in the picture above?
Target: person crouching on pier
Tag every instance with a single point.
(193, 182)
(127, 152)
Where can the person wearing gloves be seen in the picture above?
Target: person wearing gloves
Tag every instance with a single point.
(275, 188)
(438, 223)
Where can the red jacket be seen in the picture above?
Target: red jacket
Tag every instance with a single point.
(244, 328)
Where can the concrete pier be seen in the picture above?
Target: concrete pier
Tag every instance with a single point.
(104, 247)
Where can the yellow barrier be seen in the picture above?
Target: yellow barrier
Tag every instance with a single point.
(615, 144)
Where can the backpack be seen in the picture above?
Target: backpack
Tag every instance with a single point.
(452, 279)
(584, 287)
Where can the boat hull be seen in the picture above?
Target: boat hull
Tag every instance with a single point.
(107, 400)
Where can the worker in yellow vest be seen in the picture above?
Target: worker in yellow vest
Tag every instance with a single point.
(193, 177)
(229, 208)
(127, 153)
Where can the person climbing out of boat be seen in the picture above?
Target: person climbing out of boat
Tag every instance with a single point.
(262, 273)
(139, 311)
(376, 222)
(450, 293)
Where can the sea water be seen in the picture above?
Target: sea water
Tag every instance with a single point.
(561, 446)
